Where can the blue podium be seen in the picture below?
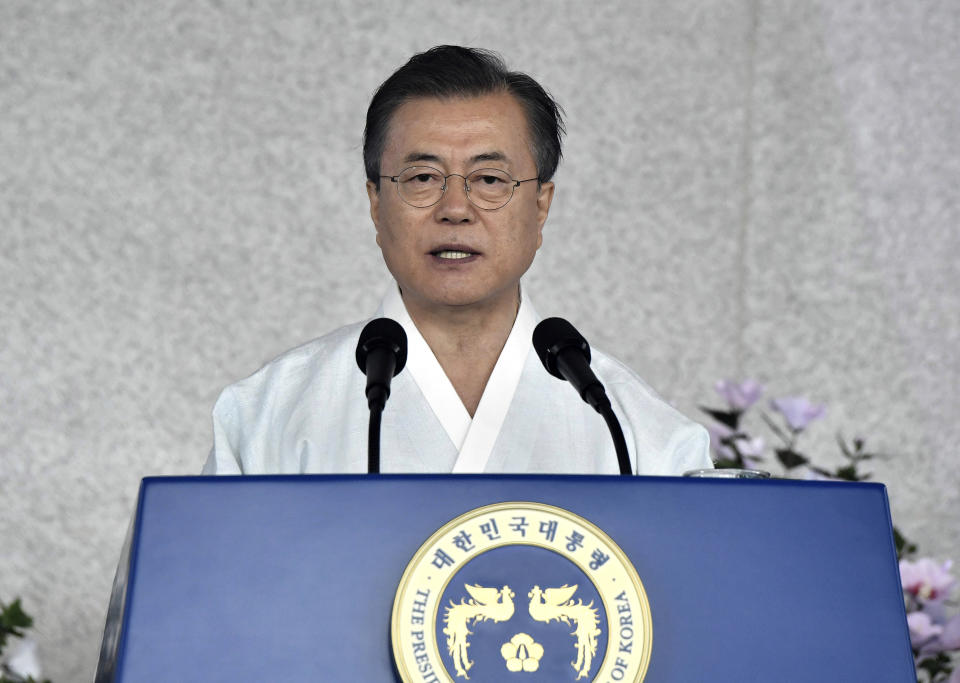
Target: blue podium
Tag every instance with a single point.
(310, 578)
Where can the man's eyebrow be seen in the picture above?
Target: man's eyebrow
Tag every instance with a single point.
(415, 157)
(490, 156)
(420, 156)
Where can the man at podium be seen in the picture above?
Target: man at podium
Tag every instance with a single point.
(459, 155)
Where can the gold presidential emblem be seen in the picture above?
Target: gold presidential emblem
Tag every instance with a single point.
(520, 591)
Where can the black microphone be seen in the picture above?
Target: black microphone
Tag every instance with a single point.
(566, 355)
(381, 355)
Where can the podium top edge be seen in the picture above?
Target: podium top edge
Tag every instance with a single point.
(314, 478)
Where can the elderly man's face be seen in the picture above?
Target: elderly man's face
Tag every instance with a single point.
(454, 253)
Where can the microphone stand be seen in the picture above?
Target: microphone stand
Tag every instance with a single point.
(595, 395)
(567, 361)
(380, 363)
(381, 354)
(619, 442)
(373, 439)
(566, 355)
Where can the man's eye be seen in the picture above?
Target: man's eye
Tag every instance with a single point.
(422, 179)
(488, 180)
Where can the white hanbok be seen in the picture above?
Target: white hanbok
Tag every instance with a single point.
(306, 412)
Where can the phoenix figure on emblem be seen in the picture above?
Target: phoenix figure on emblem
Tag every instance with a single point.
(486, 604)
(557, 603)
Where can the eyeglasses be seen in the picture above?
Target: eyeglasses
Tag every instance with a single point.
(487, 188)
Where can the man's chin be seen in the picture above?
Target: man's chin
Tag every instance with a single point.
(460, 300)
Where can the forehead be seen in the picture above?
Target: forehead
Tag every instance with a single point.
(457, 129)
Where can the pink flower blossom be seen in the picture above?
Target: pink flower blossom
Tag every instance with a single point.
(926, 580)
(948, 638)
(718, 433)
(750, 449)
(798, 411)
(739, 395)
(922, 629)
(951, 634)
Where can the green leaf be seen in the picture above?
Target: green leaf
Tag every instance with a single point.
(730, 418)
(904, 546)
(13, 616)
(789, 458)
(849, 473)
(934, 665)
(12, 621)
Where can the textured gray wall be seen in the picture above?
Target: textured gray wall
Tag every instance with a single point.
(750, 188)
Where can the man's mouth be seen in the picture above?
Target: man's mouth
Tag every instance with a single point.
(453, 252)
(452, 255)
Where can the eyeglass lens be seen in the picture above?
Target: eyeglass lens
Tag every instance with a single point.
(423, 186)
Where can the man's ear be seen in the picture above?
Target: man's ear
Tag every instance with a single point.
(544, 200)
(373, 194)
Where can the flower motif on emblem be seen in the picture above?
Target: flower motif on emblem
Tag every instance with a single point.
(522, 653)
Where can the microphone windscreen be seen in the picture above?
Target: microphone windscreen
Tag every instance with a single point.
(553, 335)
(382, 333)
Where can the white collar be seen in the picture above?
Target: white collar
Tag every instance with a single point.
(473, 438)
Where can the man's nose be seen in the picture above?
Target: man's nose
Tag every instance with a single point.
(455, 205)
(461, 184)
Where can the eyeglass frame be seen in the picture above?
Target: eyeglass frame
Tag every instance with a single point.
(395, 179)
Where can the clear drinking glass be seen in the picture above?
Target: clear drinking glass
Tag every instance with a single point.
(728, 473)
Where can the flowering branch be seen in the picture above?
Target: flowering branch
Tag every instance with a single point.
(934, 635)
